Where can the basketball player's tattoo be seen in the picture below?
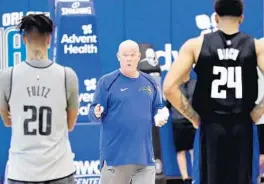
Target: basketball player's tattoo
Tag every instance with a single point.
(37, 54)
(187, 109)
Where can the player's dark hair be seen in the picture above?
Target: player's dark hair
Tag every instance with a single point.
(36, 22)
(229, 7)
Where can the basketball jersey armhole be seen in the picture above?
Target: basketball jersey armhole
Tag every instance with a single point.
(65, 85)
(11, 83)
(201, 52)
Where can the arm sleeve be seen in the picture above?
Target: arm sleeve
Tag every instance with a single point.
(157, 101)
(5, 87)
(100, 97)
(72, 89)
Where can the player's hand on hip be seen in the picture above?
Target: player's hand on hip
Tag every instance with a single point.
(196, 124)
(261, 160)
(257, 112)
(196, 121)
(98, 110)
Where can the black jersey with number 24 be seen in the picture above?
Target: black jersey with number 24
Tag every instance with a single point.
(226, 75)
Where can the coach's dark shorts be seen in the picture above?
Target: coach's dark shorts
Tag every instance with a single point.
(226, 153)
(261, 138)
(183, 133)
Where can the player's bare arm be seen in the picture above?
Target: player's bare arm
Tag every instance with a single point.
(258, 111)
(4, 111)
(177, 75)
(5, 117)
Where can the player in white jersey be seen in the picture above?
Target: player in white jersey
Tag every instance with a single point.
(42, 98)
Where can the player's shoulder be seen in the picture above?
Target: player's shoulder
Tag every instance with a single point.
(196, 39)
(17, 66)
(194, 42)
(259, 42)
(70, 74)
(246, 38)
(259, 45)
(57, 65)
(243, 34)
(7, 72)
(69, 71)
(6, 77)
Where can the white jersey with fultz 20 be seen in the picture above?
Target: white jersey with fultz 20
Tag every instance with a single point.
(40, 140)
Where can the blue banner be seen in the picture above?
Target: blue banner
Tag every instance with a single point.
(76, 45)
(68, 8)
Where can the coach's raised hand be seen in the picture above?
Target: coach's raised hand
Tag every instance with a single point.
(98, 110)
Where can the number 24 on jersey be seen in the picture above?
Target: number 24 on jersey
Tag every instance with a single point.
(231, 77)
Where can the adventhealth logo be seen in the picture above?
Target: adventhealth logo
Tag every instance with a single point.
(87, 29)
(86, 98)
(90, 84)
(80, 44)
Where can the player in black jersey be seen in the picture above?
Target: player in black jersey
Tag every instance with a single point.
(224, 111)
